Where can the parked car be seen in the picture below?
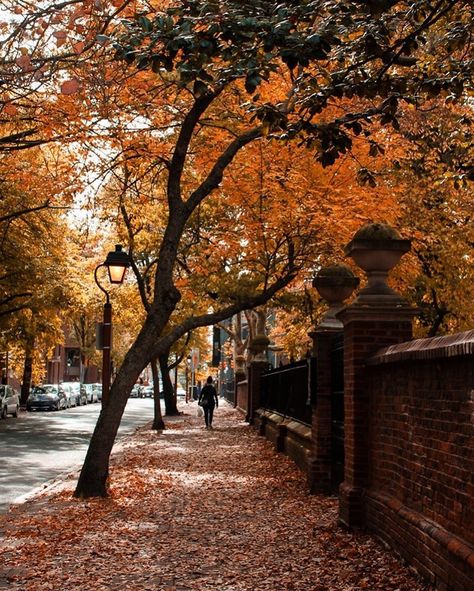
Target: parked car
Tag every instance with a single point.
(180, 392)
(91, 393)
(73, 392)
(137, 391)
(9, 401)
(148, 392)
(47, 397)
(98, 389)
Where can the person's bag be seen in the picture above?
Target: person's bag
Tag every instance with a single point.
(200, 412)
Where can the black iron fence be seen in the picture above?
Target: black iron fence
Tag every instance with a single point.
(337, 410)
(289, 390)
(227, 389)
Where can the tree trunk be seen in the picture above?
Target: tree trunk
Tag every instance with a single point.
(158, 423)
(168, 391)
(27, 371)
(93, 478)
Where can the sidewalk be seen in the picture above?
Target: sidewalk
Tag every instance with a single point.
(197, 510)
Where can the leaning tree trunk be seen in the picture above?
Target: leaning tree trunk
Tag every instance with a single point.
(168, 391)
(158, 423)
(93, 478)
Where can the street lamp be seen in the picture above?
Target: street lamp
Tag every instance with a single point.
(117, 262)
(188, 366)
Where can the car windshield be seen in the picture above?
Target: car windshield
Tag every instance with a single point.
(51, 389)
(45, 390)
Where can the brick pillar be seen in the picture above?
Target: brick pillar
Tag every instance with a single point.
(368, 326)
(320, 462)
(335, 284)
(239, 376)
(255, 370)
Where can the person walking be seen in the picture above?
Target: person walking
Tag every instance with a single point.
(208, 400)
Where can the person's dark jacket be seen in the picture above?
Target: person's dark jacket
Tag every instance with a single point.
(208, 396)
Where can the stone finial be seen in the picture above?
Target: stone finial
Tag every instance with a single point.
(335, 284)
(377, 249)
(258, 346)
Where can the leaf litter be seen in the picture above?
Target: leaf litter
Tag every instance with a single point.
(194, 510)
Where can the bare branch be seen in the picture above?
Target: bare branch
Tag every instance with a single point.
(16, 214)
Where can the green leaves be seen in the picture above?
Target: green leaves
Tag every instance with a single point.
(252, 81)
(335, 50)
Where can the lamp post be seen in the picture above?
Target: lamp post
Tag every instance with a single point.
(117, 262)
(56, 362)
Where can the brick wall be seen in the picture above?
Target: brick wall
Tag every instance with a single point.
(366, 329)
(242, 396)
(420, 489)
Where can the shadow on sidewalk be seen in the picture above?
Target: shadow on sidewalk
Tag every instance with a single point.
(192, 509)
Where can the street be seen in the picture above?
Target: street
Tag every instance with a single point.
(39, 446)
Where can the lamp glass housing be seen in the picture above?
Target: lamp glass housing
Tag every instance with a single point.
(116, 273)
(117, 262)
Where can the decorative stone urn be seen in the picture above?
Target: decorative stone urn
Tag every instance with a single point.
(335, 284)
(239, 367)
(376, 249)
(258, 346)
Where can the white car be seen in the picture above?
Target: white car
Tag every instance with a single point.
(91, 392)
(148, 391)
(137, 391)
(9, 401)
(73, 393)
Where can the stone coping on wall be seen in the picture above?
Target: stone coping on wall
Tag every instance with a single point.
(455, 345)
(290, 424)
(457, 547)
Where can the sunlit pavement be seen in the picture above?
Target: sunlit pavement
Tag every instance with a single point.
(37, 447)
(192, 509)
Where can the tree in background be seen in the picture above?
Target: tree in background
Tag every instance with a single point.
(33, 268)
(435, 176)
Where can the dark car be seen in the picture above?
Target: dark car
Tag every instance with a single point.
(47, 397)
(9, 401)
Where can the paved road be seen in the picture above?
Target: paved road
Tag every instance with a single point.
(39, 446)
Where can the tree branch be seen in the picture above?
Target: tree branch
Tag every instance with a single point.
(247, 303)
(182, 145)
(215, 175)
(21, 212)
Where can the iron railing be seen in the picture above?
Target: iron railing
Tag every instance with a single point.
(227, 390)
(288, 390)
(337, 410)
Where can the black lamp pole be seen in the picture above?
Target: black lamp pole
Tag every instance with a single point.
(117, 262)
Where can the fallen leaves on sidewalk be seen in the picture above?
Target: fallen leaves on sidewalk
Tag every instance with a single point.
(194, 510)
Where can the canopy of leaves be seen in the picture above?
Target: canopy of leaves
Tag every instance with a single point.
(379, 52)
